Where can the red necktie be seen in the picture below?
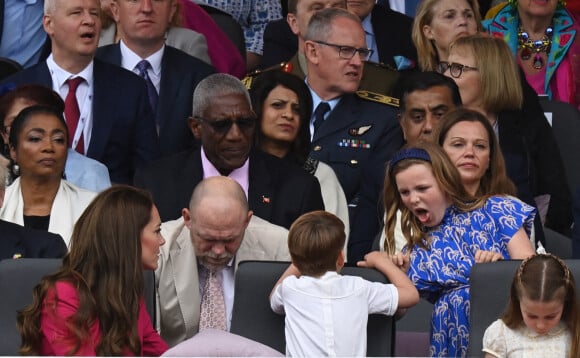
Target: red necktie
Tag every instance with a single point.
(72, 113)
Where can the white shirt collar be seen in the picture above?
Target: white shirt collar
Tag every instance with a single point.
(62, 75)
(130, 59)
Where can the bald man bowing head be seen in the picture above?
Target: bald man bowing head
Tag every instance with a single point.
(195, 276)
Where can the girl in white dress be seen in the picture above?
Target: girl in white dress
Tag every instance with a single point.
(543, 315)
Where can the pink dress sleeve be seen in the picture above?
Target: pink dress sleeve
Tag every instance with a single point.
(57, 338)
(152, 345)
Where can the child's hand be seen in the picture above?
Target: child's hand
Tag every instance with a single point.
(373, 258)
(402, 261)
(482, 256)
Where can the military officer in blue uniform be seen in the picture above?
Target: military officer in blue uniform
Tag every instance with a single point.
(350, 129)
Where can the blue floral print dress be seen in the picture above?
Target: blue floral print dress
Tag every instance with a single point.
(441, 273)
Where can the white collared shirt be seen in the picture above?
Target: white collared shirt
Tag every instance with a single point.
(315, 102)
(327, 316)
(84, 96)
(130, 59)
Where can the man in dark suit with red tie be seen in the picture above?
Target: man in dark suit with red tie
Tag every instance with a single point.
(111, 120)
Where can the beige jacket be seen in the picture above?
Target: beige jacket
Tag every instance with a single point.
(178, 298)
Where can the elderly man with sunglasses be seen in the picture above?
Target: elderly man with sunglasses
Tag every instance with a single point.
(224, 122)
(350, 130)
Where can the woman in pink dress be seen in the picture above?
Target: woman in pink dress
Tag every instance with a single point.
(94, 304)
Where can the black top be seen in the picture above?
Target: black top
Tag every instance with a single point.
(37, 222)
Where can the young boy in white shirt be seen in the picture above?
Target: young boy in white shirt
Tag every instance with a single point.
(327, 313)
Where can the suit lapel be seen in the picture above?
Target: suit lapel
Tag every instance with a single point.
(343, 115)
(168, 89)
(182, 259)
(111, 54)
(191, 175)
(260, 191)
(41, 75)
(105, 89)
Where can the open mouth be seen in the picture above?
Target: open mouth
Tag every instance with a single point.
(423, 215)
(88, 35)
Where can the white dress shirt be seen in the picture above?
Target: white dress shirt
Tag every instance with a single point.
(84, 96)
(327, 316)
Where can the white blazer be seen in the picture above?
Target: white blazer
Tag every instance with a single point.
(68, 205)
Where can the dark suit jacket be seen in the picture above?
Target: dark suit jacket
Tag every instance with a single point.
(280, 43)
(180, 74)
(278, 192)
(29, 243)
(357, 134)
(392, 32)
(534, 164)
(123, 135)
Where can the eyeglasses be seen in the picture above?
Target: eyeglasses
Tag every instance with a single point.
(223, 126)
(455, 69)
(348, 52)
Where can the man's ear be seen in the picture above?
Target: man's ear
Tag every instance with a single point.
(250, 214)
(47, 25)
(115, 10)
(311, 52)
(402, 124)
(194, 126)
(186, 217)
(293, 23)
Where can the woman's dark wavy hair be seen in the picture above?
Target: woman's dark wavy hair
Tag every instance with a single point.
(261, 88)
(104, 265)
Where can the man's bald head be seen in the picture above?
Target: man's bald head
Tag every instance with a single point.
(217, 219)
(218, 189)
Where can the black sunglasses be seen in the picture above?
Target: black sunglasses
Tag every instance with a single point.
(222, 126)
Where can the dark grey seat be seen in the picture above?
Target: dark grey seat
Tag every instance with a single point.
(17, 279)
(489, 294)
(253, 318)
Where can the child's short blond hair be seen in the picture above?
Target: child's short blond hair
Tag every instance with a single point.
(315, 242)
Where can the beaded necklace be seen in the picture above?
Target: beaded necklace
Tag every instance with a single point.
(529, 46)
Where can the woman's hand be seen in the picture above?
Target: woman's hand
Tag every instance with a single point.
(482, 256)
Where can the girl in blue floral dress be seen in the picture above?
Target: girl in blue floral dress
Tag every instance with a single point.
(447, 233)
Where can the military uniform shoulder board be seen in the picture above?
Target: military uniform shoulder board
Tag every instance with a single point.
(377, 97)
(248, 80)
